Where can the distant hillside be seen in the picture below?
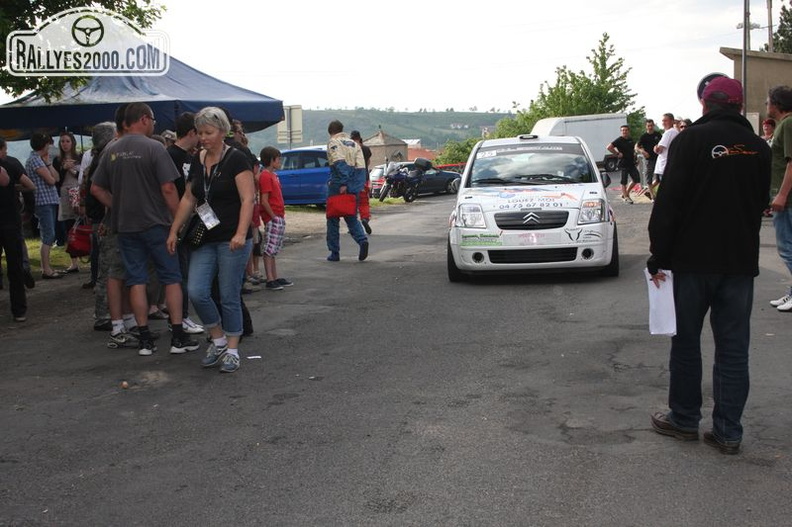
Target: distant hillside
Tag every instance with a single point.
(434, 129)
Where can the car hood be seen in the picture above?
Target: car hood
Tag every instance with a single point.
(557, 196)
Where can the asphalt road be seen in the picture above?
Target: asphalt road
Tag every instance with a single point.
(385, 395)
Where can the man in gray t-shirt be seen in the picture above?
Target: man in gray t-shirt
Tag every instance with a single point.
(135, 179)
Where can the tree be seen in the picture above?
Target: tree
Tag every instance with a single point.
(456, 151)
(604, 90)
(782, 38)
(24, 14)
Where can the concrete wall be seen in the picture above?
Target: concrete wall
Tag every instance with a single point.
(764, 70)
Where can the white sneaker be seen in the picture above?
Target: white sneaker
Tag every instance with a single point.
(781, 301)
(786, 306)
(191, 327)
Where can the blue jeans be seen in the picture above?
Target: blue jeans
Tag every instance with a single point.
(782, 221)
(137, 247)
(212, 259)
(729, 298)
(47, 216)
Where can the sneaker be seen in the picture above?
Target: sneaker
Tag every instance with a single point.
(183, 345)
(122, 339)
(191, 327)
(786, 307)
(333, 257)
(135, 332)
(284, 282)
(366, 226)
(89, 285)
(363, 254)
(213, 355)
(230, 363)
(250, 288)
(663, 426)
(627, 199)
(781, 301)
(725, 447)
(146, 347)
(273, 286)
(252, 280)
(103, 324)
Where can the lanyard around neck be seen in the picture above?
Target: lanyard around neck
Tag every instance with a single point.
(209, 178)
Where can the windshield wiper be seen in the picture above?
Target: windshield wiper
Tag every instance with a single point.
(547, 177)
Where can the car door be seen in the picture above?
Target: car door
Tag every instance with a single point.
(433, 181)
(290, 178)
(315, 173)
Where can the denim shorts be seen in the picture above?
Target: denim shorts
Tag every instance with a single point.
(136, 249)
(47, 215)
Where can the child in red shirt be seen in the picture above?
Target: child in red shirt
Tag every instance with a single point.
(273, 211)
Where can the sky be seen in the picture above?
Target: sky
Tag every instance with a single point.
(414, 54)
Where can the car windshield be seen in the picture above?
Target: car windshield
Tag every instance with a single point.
(536, 164)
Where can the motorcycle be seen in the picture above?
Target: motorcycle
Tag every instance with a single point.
(404, 182)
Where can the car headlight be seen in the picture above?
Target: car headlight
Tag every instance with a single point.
(470, 216)
(592, 211)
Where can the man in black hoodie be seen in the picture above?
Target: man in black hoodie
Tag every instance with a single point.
(705, 228)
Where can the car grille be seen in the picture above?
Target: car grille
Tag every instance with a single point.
(531, 220)
(529, 256)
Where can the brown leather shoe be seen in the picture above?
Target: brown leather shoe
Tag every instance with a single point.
(726, 447)
(663, 426)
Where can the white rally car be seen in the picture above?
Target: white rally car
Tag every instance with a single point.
(532, 203)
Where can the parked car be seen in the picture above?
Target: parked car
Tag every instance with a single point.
(303, 175)
(434, 181)
(532, 203)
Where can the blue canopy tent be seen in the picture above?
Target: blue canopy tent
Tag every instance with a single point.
(182, 89)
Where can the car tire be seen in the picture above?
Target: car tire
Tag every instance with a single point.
(452, 187)
(612, 269)
(611, 164)
(384, 192)
(454, 274)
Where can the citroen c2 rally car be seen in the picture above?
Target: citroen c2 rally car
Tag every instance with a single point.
(532, 203)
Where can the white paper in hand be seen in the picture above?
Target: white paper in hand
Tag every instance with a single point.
(662, 314)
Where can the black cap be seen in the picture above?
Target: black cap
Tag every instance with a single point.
(355, 135)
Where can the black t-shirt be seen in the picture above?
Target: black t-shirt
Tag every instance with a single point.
(183, 160)
(9, 198)
(223, 194)
(627, 149)
(649, 141)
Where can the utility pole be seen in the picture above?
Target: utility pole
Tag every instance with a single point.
(746, 47)
(770, 26)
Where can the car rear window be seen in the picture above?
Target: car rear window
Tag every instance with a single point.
(535, 164)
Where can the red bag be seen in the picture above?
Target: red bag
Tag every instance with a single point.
(79, 240)
(340, 205)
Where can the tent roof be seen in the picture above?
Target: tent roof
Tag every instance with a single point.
(182, 89)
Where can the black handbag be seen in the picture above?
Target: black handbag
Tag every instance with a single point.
(193, 231)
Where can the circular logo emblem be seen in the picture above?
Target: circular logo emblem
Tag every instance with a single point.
(719, 151)
(87, 31)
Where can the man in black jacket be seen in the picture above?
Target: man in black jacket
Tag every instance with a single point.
(705, 228)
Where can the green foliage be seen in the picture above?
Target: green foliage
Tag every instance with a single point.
(23, 14)
(456, 151)
(603, 90)
(782, 38)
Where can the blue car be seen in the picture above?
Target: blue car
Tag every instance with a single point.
(303, 175)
